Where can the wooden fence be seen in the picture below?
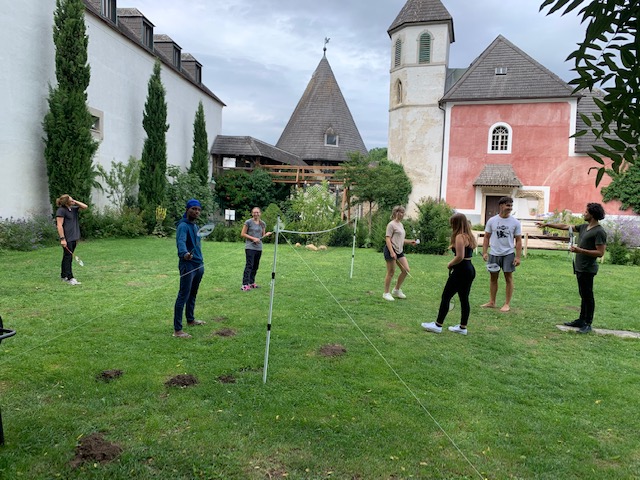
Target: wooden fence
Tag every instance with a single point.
(298, 175)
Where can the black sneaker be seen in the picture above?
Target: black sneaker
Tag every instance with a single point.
(576, 323)
(585, 329)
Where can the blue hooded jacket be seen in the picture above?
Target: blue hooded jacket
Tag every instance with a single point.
(188, 241)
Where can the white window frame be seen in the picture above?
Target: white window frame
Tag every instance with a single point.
(493, 127)
(331, 136)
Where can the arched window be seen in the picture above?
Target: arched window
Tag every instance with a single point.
(398, 91)
(398, 53)
(424, 55)
(500, 138)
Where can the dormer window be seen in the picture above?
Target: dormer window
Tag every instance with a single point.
(108, 10)
(147, 35)
(176, 57)
(330, 138)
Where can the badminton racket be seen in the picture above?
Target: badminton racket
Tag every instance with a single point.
(204, 231)
(402, 268)
(75, 257)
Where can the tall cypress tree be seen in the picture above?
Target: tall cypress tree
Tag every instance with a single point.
(200, 159)
(153, 180)
(69, 147)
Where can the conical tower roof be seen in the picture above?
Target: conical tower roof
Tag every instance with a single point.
(422, 12)
(321, 110)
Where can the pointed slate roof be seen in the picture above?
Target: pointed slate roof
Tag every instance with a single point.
(422, 12)
(322, 107)
(522, 77)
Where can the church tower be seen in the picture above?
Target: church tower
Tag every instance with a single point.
(420, 38)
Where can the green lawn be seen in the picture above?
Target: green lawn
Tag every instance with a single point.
(515, 399)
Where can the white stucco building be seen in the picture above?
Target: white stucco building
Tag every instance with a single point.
(122, 51)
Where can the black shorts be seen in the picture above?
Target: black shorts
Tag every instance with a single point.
(387, 255)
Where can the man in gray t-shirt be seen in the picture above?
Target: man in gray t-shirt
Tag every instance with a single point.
(503, 234)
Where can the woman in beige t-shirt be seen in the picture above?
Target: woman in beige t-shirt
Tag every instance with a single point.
(393, 253)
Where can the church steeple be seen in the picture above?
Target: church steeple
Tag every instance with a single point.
(420, 38)
(422, 12)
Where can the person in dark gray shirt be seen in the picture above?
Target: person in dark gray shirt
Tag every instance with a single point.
(69, 233)
(592, 243)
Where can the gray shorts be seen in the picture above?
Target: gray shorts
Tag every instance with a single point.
(505, 262)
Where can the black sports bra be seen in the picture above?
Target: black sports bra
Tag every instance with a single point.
(468, 252)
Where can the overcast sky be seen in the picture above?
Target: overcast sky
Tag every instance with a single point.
(257, 56)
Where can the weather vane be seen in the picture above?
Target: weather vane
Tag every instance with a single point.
(326, 40)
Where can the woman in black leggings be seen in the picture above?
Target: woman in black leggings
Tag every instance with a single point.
(461, 276)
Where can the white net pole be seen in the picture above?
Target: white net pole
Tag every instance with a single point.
(273, 285)
(353, 248)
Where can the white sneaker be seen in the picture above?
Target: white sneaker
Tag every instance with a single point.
(387, 296)
(431, 327)
(73, 281)
(398, 293)
(457, 329)
(65, 280)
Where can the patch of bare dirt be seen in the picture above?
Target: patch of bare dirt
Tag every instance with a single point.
(182, 380)
(332, 350)
(108, 375)
(94, 448)
(220, 319)
(225, 332)
(227, 379)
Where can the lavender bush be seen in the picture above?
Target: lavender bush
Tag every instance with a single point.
(27, 234)
(624, 229)
(624, 239)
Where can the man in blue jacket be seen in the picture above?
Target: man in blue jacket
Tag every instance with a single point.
(191, 268)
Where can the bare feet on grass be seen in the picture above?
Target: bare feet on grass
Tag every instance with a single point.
(505, 308)
(488, 305)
